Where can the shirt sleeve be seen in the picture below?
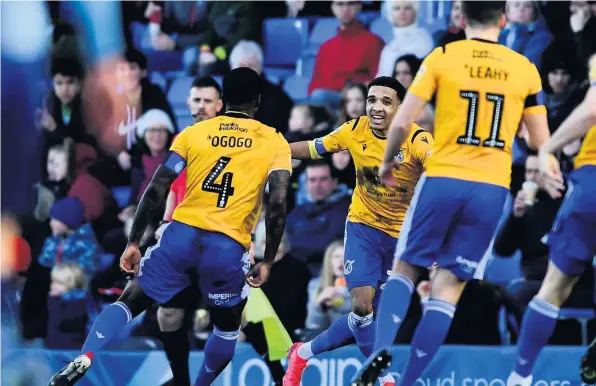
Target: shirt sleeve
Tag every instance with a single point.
(332, 142)
(534, 103)
(421, 145)
(283, 156)
(180, 145)
(426, 80)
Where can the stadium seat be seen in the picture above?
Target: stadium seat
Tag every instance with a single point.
(367, 17)
(297, 87)
(324, 29)
(503, 270)
(582, 315)
(178, 93)
(159, 80)
(383, 28)
(218, 79)
(163, 61)
(122, 195)
(283, 39)
(183, 121)
(306, 66)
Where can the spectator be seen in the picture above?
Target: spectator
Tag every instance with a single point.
(352, 103)
(62, 115)
(67, 307)
(183, 24)
(72, 238)
(454, 31)
(275, 106)
(301, 124)
(408, 37)
(229, 22)
(526, 31)
(313, 226)
(136, 96)
(405, 70)
(352, 55)
(345, 169)
(530, 220)
(329, 298)
(583, 26)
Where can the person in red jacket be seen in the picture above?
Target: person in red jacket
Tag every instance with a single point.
(353, 55)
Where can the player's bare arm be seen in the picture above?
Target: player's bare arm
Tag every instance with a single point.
(275, 224)
(300, 150)
(398, 133)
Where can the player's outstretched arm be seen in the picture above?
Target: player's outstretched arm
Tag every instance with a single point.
(275, 218)
(151, 202)
(576, 125)
(300, 150)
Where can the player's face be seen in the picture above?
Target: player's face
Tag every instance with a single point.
(531, 172)
(204, 103)
(355, 103)
(346, 11)
(337, 262)
(403, 13)
(403, 73)
(66, 88)
(319, 182)
(455, 18)
(558, 79)
(381, 106)
(520, 12)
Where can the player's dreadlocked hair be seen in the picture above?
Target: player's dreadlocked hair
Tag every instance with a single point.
(388, 81)
(478, 13)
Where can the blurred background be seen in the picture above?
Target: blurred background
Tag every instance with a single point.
(93, 93)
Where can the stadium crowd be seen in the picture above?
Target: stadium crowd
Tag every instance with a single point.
(97, 157)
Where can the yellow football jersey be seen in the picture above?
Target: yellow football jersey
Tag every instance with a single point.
(374, 204)
(587, 153)
(483, 88)
(228, 160)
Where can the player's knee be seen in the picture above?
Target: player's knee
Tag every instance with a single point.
(170, 319)
(362, 299)
(228, 318)
(556, 286)
(446, 286)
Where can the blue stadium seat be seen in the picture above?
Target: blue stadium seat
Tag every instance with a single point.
(435, 26)
(122, 195)
(158, 79)
(276, 74)
(325, 28)
(283, 39)
(178, 93)
(306, 66)
(582, 315)
(218, 79)
(383, 28)
(367, 17)
(297, 87)
(164, 61)
(183, 121)
(503, 270)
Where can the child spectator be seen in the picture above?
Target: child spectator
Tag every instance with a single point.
(72, 238)
(301, 124)
(67, 307)
(352, 103)
(329, 297)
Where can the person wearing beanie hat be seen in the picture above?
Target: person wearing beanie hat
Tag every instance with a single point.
(72, 237)
(154, 118)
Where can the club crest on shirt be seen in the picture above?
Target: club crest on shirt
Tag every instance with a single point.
(400, 157)
(348, 267)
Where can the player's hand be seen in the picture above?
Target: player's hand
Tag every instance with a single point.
(550, 179)
(130, 259)
(387, 177)
(258, 275)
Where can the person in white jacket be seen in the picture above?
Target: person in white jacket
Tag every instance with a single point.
(408, 37)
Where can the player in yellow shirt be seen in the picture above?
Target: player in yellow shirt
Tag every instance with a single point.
(483, 91)
(374, 220)
(229, 160)
(572, 245)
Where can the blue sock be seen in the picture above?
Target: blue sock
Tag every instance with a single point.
(537, 327)
(107, 326)
(219, 351)
(336, 336)
(363, 329)
(393, 307)
(429, 336)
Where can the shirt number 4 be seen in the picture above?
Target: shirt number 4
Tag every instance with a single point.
(470, 137)
(225, 189)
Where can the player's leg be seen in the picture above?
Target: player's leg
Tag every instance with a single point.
(467, 241)
(173, 318)
(588, 365)
(572, 247)
(108, 324)
(221, 269)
